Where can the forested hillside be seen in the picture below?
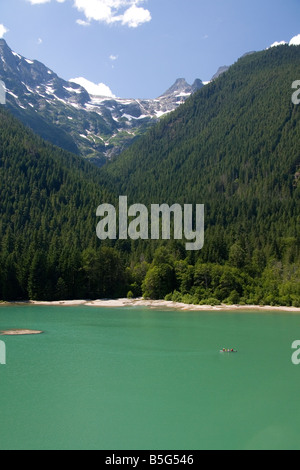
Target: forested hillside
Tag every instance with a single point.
(47, 219)
(234, 146)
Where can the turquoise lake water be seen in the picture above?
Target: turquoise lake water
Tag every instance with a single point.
(131, 379)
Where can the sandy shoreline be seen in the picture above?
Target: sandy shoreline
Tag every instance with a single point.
(119, 303)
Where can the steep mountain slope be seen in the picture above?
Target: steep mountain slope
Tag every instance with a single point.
(64, 113)
(235, 136)
(219, 72)
(47, 216)
(234, 146)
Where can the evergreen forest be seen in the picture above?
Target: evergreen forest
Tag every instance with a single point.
(233, 146)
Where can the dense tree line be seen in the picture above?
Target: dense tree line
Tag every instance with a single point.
(234, 146)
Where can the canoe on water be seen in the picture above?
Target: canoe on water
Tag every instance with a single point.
(228, 351)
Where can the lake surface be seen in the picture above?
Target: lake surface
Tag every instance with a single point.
(136, 378)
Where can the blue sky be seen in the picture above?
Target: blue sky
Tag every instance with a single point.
(140, 47)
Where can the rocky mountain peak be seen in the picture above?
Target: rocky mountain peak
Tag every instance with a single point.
(220, 72)
(181, 86)
(3, 43)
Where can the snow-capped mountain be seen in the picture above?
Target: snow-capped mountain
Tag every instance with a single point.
(98, 127)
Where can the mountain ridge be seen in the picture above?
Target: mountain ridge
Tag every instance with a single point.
(96, 127)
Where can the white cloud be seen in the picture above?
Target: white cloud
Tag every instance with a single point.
(126, 12)
(276, 44)
(295, 41)
(99, 10)
(92, 88)
(83, 23)
(3, 30)
(135, 16)
(38, 2)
